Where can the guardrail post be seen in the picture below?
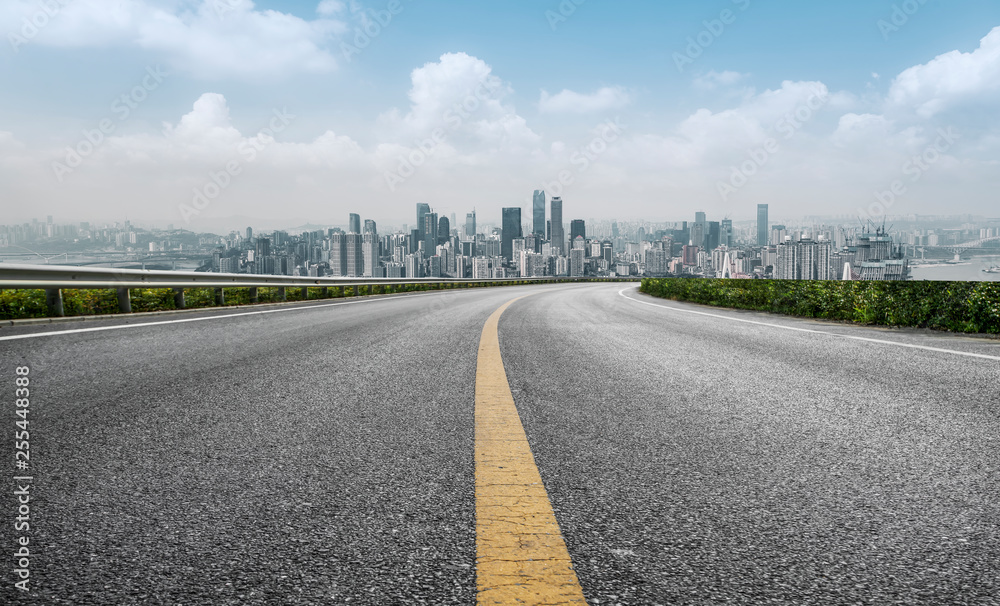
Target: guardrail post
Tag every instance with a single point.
(282, 294)
(220, 296)
(254, 295)
(124, 301)
(305, 293)
(179, 301)
(54, 302)
(357, 290)
(324, 293)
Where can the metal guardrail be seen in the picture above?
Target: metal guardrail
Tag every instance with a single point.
(53, 279)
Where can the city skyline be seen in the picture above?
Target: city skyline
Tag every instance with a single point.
(689, 108)
(702, 248)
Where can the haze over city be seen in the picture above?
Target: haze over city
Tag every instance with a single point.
(284, 113)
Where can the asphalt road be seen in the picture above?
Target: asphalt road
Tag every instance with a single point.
(324, 455)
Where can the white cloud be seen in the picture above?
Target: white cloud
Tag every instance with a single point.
(460, 95)
(949, 79)
(330, 7)
(714, 79)
(866, 128)
(576, 103)
(208, 39)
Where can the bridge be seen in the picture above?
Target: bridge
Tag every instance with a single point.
(539, 444)
(958, 249)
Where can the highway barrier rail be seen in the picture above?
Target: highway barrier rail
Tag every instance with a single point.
(966, 307)
(39, 291)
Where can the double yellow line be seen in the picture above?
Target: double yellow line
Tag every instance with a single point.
(521, 557)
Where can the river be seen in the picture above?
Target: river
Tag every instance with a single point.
(971, 271)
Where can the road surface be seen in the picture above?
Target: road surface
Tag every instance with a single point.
(325, 453)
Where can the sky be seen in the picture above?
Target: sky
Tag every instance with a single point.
(212, 112)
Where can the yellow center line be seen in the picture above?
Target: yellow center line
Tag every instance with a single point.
(521, 557)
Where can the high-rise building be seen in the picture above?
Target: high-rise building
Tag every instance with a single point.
(470, 225)
(369, 251)
(511, 231)
(414, 267)
(434, 267)
(370, 227)
(538, 213)
(557, 235)
(690, 255)
(713, 237)
(430, 231)
(414, 241)
(444, 230)
(762, 228)
(806, 259)
(338, 254)
(577, 229)
(422, 211)
(726, 236)
(355, 256)
(355, 224)
(576, 262)
(697, 235)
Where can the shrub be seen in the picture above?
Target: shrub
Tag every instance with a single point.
(971, 307)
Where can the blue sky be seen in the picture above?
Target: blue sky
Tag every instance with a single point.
(878, 82)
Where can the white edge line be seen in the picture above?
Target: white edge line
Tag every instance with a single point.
(816, 332)
(54, 333)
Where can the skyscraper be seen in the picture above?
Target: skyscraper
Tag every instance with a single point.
(697, 235)
(355, 256)
(538, 213)
(355, 224)
(370, 227)
(762, 228)
(444, 230)
(558, 235)
(576, 262)
(726, 237)
(369, 252)
(511, 231)
(699, 230)
(577, 229)
(713, 237)
(338, 254)
(470, 225)
(422, 210)
(430, 233)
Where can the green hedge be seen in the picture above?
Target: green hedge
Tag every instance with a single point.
(18, 304)
(969, 307)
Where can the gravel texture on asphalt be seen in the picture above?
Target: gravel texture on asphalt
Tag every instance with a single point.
(694, 460)
(325, 456)
(315, 456)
